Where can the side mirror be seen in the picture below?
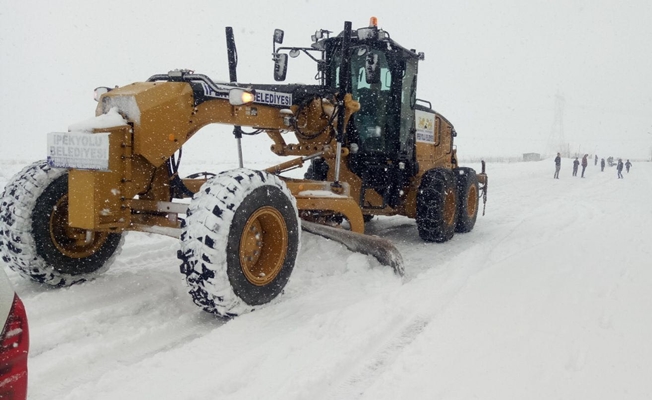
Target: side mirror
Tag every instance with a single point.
(280, 66)
(372, 70)
(318, 35)
(278, 36)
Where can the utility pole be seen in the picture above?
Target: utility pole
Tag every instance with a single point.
(556, 141)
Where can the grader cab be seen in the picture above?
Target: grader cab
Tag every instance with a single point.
(374, 148)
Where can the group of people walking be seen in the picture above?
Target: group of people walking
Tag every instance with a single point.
(576, 163)
(619, 167)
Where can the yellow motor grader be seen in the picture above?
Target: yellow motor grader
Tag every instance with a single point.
(373, 147)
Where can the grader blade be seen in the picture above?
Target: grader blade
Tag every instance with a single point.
(382, 249)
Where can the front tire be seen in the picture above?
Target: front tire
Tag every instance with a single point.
(35, 239)
(239, 241)
(437, 206)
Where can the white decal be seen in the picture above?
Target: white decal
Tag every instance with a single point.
(425, 126)
(79, 150)
(273, 98)
(209, 92)
(262, 96)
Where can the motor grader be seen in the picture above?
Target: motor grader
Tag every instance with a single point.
(373, 147)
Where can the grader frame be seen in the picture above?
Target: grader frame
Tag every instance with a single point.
(374, 149)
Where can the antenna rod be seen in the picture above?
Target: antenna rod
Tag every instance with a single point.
(232, 54)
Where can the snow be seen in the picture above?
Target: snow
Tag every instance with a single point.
(6, 298)
(320, 193)
(108, 120)
(547, 298)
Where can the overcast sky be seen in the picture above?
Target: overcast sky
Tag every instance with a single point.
(512, 76)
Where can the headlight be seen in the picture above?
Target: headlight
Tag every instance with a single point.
(238, 97)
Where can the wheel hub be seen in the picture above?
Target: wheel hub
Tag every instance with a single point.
(450, 206)
(263, 246)
(72, 242)
(472, 201)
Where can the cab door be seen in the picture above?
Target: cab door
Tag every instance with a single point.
(383, 129)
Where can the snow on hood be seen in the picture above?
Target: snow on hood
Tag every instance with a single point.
(109, 120)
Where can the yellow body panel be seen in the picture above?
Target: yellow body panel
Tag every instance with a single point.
(319, 196)
(440, 153)
(96, 198)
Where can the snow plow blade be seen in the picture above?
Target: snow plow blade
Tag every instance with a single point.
(381, 249)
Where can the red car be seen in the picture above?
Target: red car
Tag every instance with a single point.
(14, 342)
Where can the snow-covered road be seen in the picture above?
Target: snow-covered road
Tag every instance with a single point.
(547, 298)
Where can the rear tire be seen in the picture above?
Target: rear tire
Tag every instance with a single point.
(35, 239)
(239, 241)
(468, 199)
(437, 206)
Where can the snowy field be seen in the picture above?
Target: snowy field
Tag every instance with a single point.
(549, 297)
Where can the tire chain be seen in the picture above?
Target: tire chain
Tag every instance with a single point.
(19, 195)
(16, 242)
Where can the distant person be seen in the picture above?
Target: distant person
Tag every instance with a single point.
(619, 167)
(585, 162)
(596, 159)
(557, 165)
(628, 166)
(602, 165)
(576, 164)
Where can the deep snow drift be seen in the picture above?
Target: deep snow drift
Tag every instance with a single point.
(547, 298)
